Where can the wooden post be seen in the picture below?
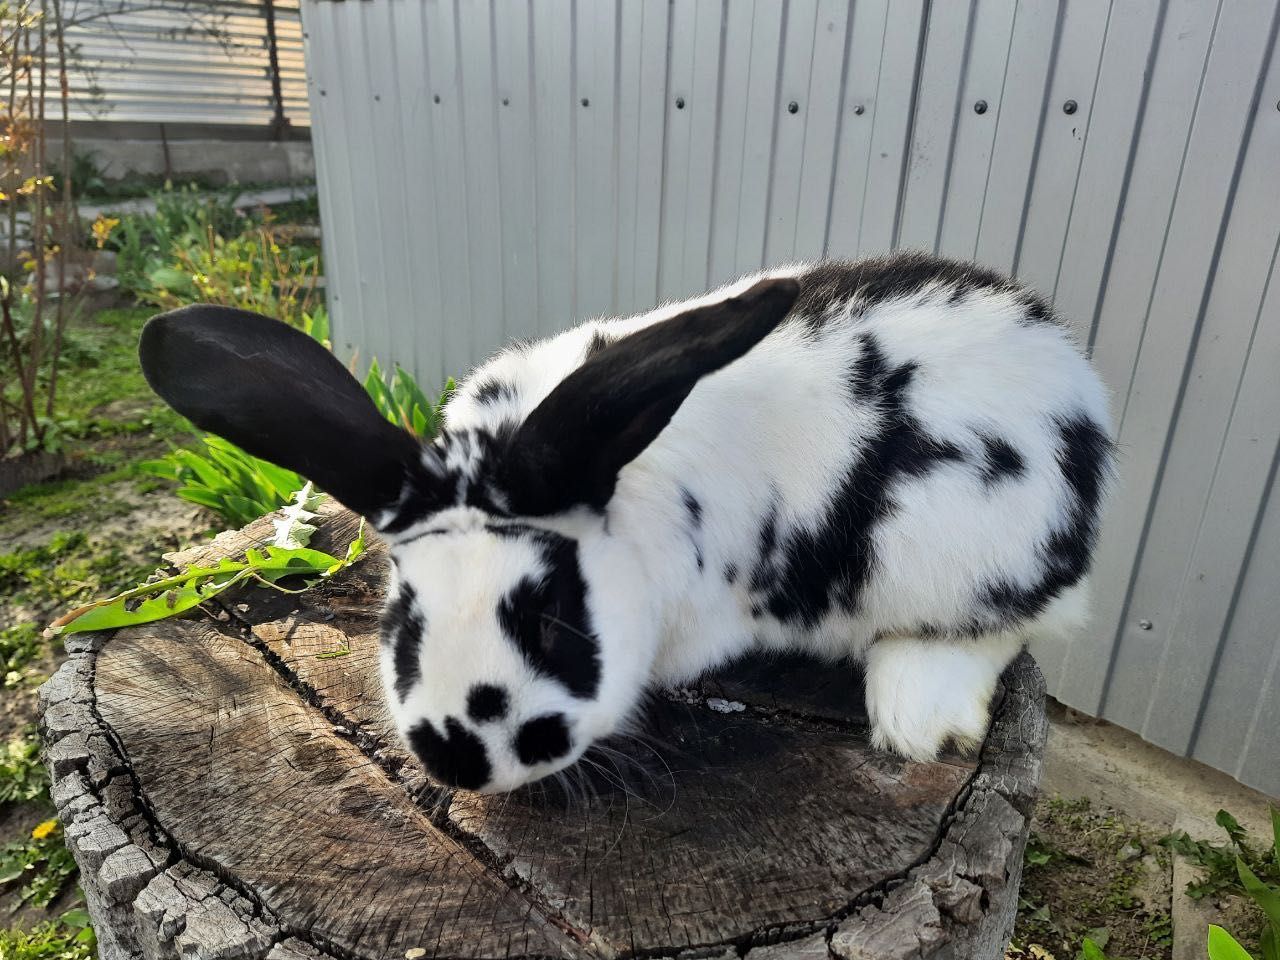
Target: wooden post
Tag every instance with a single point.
(232, 789)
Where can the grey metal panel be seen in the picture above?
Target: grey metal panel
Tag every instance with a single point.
(553, 140)
(1123, 317)
(1023, 107)
(1148, 213)
(1187, 573)
(596, 46)
(157, 61)
(966, 187)
(937, 108)
(870, 165)
(513, 62)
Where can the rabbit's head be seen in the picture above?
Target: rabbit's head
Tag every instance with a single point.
(514, 633)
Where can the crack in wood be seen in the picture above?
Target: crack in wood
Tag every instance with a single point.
(957, 887)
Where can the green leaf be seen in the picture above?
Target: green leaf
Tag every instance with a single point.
(1091, 951)
(1270, 943)
(158, 601)
(410, 389)
(202, 496)
(77, 918)
(1230, 824)
(164, 467)
(421, 423)
(1265, 897)
(1223, 946)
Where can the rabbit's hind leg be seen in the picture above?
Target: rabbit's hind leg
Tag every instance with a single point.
(923, 692)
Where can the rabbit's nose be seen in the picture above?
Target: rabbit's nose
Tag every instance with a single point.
(458, 758)
(542, 739)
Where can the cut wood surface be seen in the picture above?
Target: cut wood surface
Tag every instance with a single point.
(232, 786)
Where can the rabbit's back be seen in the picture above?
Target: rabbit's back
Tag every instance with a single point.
(919, 448)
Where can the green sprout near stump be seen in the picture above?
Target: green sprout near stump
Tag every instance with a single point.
(286, 556)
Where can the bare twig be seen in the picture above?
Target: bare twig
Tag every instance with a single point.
(69, 214)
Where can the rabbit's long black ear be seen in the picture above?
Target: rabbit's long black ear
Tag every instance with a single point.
(602, 416)
(277, 393)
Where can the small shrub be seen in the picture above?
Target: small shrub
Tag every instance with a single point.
(233, 484)
(402, 401)
(251, 271)
(147, 242)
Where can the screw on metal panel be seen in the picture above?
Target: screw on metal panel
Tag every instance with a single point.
(436, 98)
(324, 93)
(679, 103)
(793, 107)
(859, 110)
(377, 97)
(1144, 624)
(506, 101)
(980, 107)
(1070, 107)
(586, 102)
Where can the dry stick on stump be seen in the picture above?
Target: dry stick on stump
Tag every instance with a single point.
(230, 791)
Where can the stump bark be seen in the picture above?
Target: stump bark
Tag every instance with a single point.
(232, 787)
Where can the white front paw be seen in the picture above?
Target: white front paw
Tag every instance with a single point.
(922, 694)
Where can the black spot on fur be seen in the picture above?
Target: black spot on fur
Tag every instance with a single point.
(692, 507)
(485, 703)
(438, 486)
(816, 568)
(1085, 456)
(694, 510)
(768, 546)
(402, 628)
(597, 343)
(493, 390)
(546, 617)
(1038, 309)
(731, 573)
(421, 495)
(457, 758)
(831, 285)
(542, 740)
(1000, 460)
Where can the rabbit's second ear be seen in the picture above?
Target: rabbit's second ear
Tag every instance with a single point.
(602, 416)
(278, 394)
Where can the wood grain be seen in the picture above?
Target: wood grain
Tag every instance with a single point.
(232, 789)
(249, 780)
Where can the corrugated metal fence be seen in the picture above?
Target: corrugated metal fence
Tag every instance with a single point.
(491, 170)
(183, 61)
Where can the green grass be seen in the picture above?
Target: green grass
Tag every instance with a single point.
(101, 386)
(1083, 874)
(103, 401)
(40, 866)
(22, 775)
(68, 938)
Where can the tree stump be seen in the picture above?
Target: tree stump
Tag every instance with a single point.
(231, 787)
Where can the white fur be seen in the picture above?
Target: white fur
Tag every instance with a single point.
(778, 424)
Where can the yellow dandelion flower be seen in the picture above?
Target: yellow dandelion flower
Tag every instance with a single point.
(43, 830)
(102, 228)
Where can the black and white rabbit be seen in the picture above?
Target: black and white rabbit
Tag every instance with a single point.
(900, 460)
